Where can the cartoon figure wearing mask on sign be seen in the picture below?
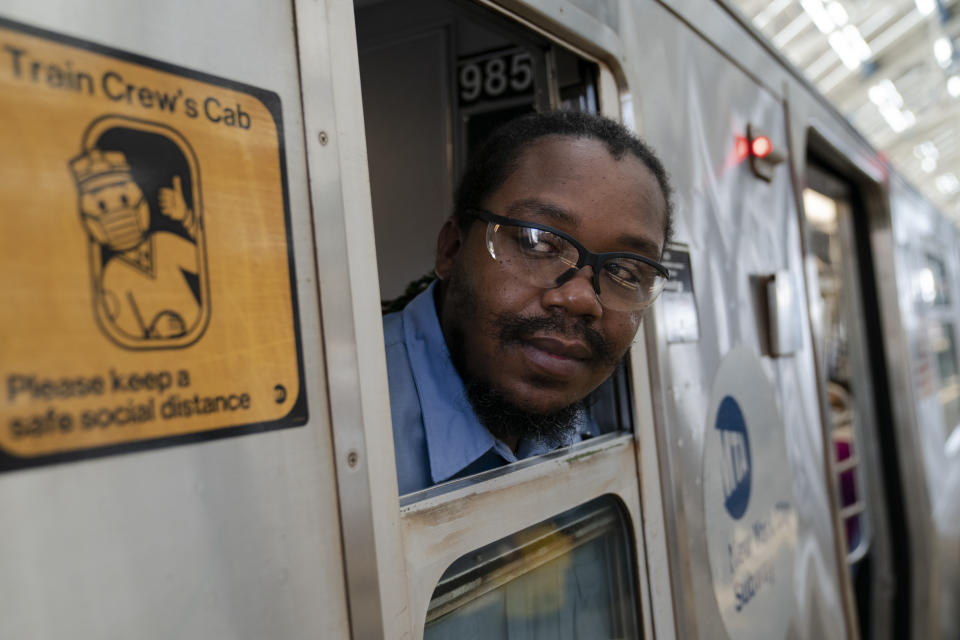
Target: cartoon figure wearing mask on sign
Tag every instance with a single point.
(139, 201)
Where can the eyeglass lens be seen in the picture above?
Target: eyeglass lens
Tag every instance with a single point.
(546, 260)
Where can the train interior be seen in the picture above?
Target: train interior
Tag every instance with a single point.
(437, 77)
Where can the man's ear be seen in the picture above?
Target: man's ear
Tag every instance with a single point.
(449, 244)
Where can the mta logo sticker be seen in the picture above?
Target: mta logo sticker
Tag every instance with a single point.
(735, 461)
(139, 202)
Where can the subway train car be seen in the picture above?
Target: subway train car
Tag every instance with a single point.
(205, 206)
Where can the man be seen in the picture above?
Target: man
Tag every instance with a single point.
(544, 271)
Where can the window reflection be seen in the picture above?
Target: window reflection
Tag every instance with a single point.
(568, 577)
(945, 349)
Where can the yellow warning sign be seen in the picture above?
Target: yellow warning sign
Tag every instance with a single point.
(148, 290)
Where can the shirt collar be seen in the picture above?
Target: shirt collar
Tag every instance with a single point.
(455, 437)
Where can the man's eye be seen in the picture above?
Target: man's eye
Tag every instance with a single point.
(626, 275)
(538, 242)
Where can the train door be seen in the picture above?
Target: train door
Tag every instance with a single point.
(844, 318)
(551, 547)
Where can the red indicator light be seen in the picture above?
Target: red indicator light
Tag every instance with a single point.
(761, 147)
(742, 148)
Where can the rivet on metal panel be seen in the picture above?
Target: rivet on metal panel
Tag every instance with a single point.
(324, 138)
(352, 459)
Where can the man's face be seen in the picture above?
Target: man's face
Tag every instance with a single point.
(545, 349)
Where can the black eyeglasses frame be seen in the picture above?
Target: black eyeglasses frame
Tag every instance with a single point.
(585, 257)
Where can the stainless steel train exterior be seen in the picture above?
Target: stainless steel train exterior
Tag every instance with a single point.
(827, 510)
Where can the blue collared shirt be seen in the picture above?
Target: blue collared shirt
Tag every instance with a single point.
(436, 434)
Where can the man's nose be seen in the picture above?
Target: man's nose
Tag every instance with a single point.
(576, 295)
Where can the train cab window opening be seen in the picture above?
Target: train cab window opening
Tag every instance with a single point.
(437, 78)
(569, 577)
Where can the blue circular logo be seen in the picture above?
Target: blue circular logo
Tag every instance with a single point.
(735, 460)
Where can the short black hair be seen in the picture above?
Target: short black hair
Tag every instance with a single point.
(493, 162)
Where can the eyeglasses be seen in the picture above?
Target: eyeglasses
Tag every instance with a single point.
(548, 258)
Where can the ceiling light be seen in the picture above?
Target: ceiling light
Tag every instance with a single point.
(943, 51)
(953, 86)
(926, 7)
(926, 150)
(859, 45)
(843, 49)
(818, 13)
(885, 92)
(889, 102)
(928, 154)
(948, 184)
(898, 120)
(837, 13)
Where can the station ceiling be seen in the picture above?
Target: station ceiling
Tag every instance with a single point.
(892, 67)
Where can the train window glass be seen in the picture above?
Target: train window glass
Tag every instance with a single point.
(933, 287)
(576, 82)
(437, 76)
(824, 206)
(944, 347)
(934, 303)
(568, 577)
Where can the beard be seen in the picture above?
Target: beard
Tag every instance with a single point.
(502, 415)
(505, 419)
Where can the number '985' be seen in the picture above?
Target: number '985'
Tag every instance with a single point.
(493, 77)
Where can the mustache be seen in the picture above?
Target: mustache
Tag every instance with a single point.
(517, 329)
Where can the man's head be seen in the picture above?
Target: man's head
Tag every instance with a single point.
(528, 351)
